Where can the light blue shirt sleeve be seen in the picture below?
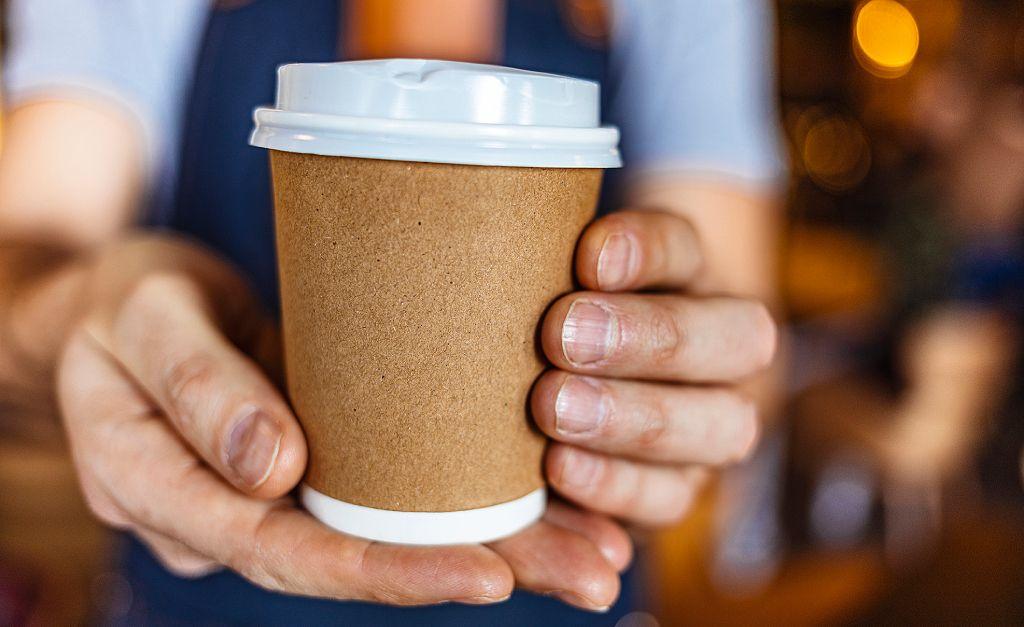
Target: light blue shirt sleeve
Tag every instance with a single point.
(695, 87)
(138, 53)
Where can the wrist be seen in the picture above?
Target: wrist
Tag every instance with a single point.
(40, 301)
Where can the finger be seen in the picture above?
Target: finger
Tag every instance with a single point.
(87, 380)
(641, 493)
(81, 380)
(175, 556)
(158, 482)
(608, 536)
(551, 560)
(632, 250)
(645, 421)
(671, 338)
(221, 403)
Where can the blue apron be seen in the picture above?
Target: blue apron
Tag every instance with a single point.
(223, 199)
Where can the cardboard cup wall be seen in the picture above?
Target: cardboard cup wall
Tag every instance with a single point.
(427, 214)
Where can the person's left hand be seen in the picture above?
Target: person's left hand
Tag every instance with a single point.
(640, 402)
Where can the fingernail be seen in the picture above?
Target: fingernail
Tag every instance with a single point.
(253, 446)
(483, 600)
(616, 263)
(579, 470)
(577, 600)
(580, 407)
(589, 333)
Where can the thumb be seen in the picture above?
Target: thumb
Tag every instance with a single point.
(167, 336)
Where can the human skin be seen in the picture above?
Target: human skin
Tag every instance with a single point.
(161, 362)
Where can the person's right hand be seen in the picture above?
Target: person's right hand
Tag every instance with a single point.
(180, 437)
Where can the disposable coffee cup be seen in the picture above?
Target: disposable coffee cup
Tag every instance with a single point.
(426, 216)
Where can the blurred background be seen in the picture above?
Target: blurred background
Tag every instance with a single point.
(892, 491)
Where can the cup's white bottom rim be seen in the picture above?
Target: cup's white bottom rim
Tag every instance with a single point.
(426, 528)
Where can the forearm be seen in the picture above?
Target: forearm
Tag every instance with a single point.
(70, 180)
(41, 296)
(71, 172)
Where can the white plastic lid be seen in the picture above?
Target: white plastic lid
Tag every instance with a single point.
(437, 111)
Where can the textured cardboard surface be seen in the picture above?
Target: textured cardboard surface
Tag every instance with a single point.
(411, 295)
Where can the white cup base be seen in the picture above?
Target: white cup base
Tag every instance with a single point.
(426, 528)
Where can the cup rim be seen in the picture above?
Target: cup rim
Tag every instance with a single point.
(436, 141)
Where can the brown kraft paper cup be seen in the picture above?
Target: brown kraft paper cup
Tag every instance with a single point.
(411, 296)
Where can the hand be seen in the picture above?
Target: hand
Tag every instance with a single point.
(639, 403)
(180, 437)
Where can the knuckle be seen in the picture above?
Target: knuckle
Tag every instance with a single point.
(242, 559)
(665, 338)
(260, 574)
(191, 568)
(251, 558)
(103, 508)
(382, 580)
(187, 383)
(653, 426)
(184, 565)
(247, 561)
(107, 513)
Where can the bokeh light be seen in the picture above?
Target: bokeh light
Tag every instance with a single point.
(885, 37)
(829, 272)
(834, 150)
